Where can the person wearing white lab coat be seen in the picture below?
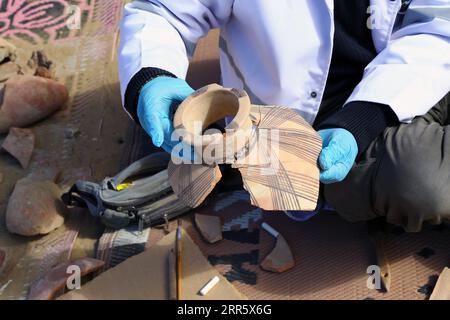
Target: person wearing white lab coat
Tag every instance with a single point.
(372, 76)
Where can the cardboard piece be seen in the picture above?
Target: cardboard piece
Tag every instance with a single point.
(146, 277)
(273, 147)
(442, 289)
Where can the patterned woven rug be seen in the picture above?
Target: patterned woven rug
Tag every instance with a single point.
(331, 255)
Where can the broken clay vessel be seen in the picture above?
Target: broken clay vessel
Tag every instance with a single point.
(34, 208)
(274, 149)
(46, 287)
(28, 99)
(20, 144)
(210, 227)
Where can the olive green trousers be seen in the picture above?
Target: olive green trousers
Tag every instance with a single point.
(404, 175)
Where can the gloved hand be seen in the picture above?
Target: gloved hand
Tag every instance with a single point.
(338, 154)
(157, 103)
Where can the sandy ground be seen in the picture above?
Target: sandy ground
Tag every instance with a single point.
(88, 67)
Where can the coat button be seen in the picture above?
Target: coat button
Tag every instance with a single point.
(314, 94)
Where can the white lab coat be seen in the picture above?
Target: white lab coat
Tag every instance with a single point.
(279, 51)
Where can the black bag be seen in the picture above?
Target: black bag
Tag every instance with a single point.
(136, 194)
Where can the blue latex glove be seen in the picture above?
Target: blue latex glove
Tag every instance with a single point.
(157, 103)
(338, 154)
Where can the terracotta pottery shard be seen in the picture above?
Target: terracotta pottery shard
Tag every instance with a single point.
(28, 99)
(20, 144)
(280, 259)
(193, 183)
(7, 51)
(8, 70)
(44, 73)
(34, 208)
(41, 64)
(274, 148)
(51, 283)
(39, 59)
(442, 289)
(210, 227)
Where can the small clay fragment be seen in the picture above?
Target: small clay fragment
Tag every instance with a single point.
(51, 283)
(210, 227)
(7, 51)
(28, 99)
(20, 144)
(44, 73)
(281, 258)
(34, 208)
(41, 64)
(8, 70)
(442, 289)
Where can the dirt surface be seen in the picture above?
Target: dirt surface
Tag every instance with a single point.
(83, 141)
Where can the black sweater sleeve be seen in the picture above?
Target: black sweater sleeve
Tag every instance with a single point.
(135, 85)
(365, 120)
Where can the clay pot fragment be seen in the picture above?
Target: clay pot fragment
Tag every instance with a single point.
(8, 70)
(29, 99)
(210, 227)
(193, 183)
(7, 51)
(34, 208)
(280, 259)
(273, 147)
(20, 144)
(41, 64)
(51, 283)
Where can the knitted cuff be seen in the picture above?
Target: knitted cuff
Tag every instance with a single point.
(135, 85)
(365, 120)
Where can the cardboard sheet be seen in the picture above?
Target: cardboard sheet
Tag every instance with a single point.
(146, 276)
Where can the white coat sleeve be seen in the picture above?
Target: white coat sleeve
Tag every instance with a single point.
(413, 73)
(161, 33)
